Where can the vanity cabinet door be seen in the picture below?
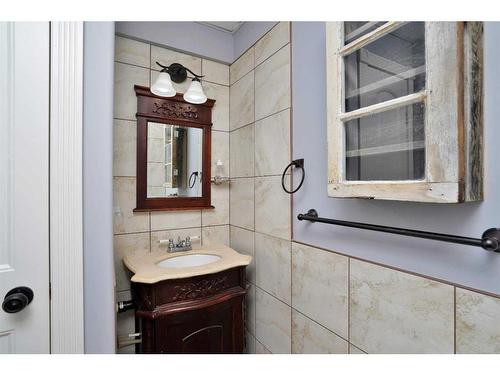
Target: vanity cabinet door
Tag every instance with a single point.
(201, 314)
(214, 329)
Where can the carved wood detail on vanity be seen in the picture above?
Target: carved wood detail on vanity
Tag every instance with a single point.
(201, 314)
(202, 288)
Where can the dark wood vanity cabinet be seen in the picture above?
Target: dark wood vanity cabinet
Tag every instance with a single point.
(201, 314)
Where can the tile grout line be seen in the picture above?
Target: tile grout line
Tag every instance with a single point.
(272, 295)
(230, 90)
(253, 180)
(149, 214)
(304, 314)
(291, 293)
(320, 324)
(253, 98)
(255, 288)
(172, 49)
(243, 76)
(130, 64)
(290, 122)
(229, 156)
(349, 303)
(290, 157)
(150, 237)
(236, 61)
(241, 127)
(261, 63)
(351, 344)
(416, 274)
(254, 335)
(127, 233)
(274, 53)
(265, 347)
(124, 119)
(264, 234)
(262, 118)
(257, 41)
(454, 320)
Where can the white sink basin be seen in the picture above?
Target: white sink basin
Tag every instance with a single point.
(188, 260)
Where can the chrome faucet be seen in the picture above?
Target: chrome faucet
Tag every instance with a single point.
(181, 245)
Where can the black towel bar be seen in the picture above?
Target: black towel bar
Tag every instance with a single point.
(490, 239)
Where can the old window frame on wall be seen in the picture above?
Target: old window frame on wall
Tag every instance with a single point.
(453, 101)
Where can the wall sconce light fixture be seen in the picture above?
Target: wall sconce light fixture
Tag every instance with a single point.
(178, 73)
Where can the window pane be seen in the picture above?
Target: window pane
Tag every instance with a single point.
(390, 67)
(387, 146)
(354, 30)
(168, 174)
(168, 153)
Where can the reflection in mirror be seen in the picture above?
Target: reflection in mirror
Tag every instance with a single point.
(174, 161)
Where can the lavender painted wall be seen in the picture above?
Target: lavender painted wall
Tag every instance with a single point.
(189, 37)
(468, 266)
(248, 34)
(98, 263)
(197, 39)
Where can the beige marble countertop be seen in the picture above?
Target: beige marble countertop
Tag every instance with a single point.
(145, 269)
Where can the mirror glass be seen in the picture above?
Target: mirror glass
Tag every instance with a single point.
(175, 156)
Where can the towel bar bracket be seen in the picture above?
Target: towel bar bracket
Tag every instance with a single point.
(490, 240)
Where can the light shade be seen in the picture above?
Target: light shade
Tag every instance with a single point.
(163, 86)
(195, 93)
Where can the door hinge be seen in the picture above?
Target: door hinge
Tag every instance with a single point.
(50, 291)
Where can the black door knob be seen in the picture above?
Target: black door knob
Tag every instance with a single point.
(17, 299)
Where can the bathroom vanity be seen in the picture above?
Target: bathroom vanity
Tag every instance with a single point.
(190, 302)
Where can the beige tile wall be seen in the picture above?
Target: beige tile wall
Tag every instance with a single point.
(260, 212)
(394, 312)
(303, 299)
(478, 323)
(135, 232)
(310, 337)
(340, 303)
(320, 287)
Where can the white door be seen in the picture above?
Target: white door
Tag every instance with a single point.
(24, 186)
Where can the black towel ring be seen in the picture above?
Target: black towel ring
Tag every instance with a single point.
(298, 163)
(191, 185)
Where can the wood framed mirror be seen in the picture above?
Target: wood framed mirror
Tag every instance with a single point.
(173, 152)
